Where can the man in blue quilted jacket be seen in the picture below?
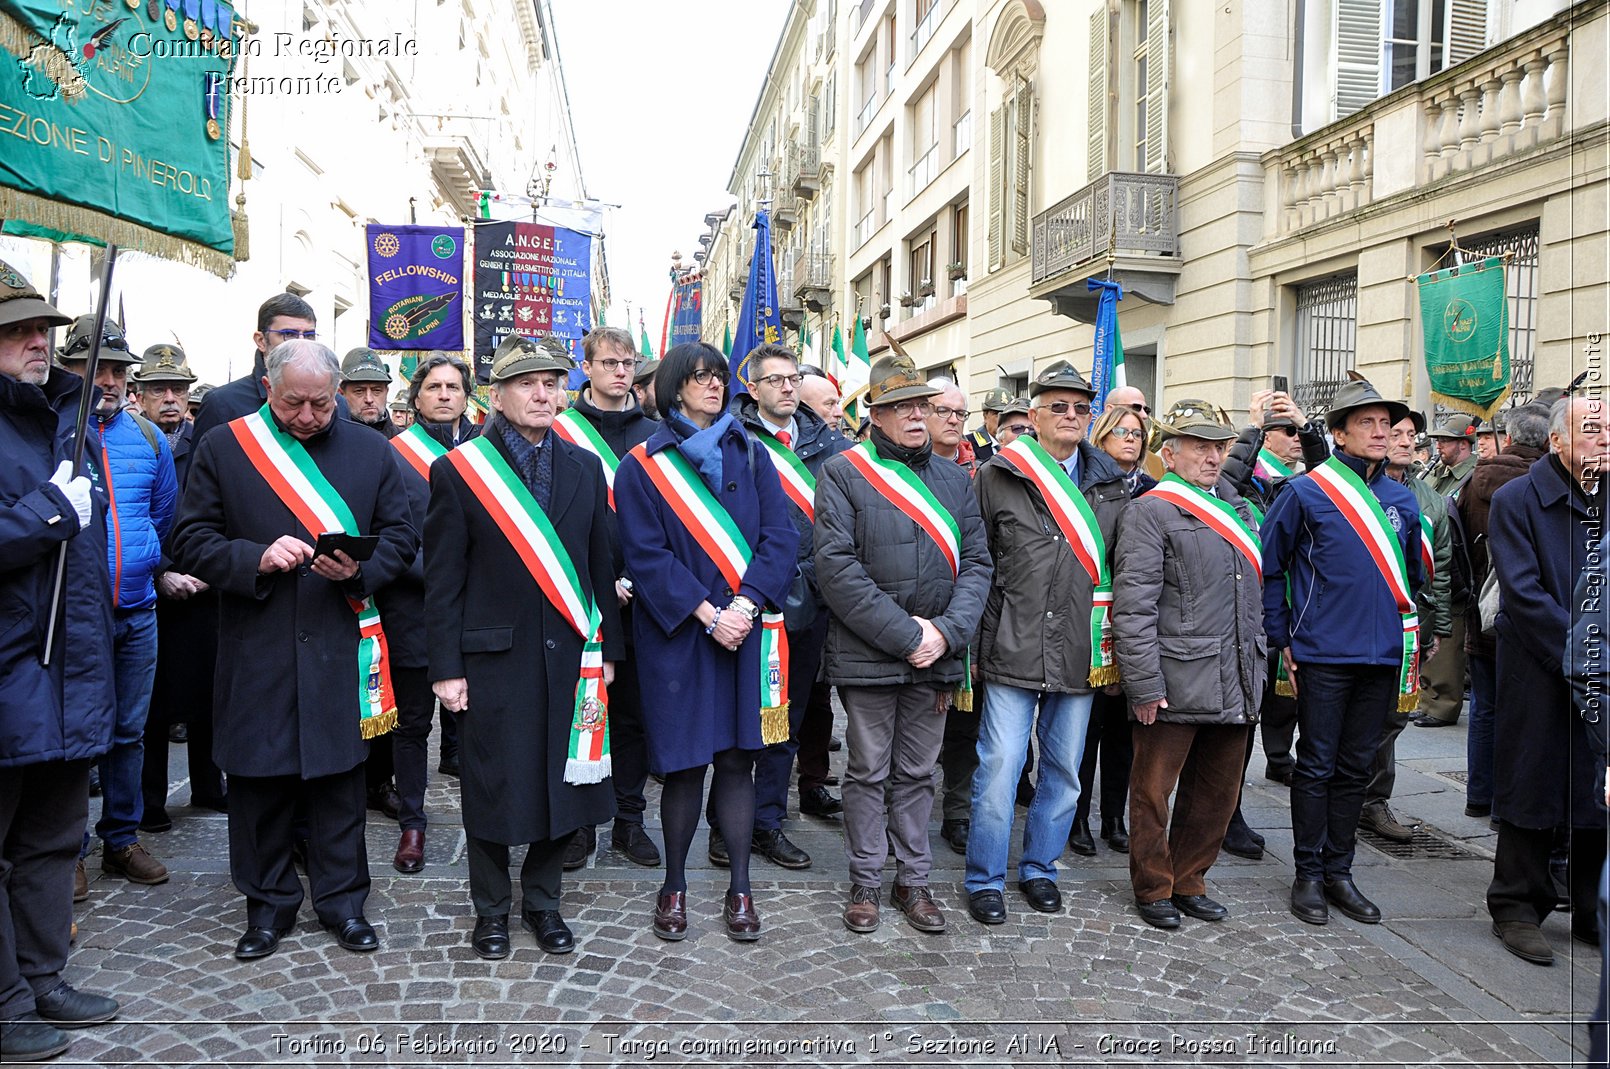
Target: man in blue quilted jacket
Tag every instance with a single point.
(142, 492)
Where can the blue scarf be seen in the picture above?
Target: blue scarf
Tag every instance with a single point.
(702, 448)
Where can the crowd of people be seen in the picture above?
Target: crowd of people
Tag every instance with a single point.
(667, 572)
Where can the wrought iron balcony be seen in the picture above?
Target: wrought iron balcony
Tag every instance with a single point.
(812, 274)
(802, 169)
(1130, 214)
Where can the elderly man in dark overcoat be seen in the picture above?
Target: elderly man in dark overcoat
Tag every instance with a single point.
(518, 529)
(302, 680)
(1540, 530)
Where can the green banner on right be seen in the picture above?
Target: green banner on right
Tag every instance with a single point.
(1464, 318)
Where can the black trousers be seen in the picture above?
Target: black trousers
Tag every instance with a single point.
(1523, 890)
(815, 735)
(1342, 710)
(958, 758)
(1277, 717)
(1110, 737)
(628, 749)
(540, 875)
(187, 649)
(410, 743)
(262, 811)
(43, 809)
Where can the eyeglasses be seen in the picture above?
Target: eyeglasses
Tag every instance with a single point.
(907, 409)
(305, 335)
(1289, 432)
(1019, 428)
(1061, 408)
(611, 364)
(1143, 409)
(1129, 432)
(946, 412)
(108, 341)
(704, 376)
(776, 381)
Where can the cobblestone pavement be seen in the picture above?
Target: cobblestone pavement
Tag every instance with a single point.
(1090, 986)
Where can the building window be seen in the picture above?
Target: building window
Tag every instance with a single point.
(1378, 48)
(1011, 129)
(924, 141)
(830, 103)
(1521, 282)
(1138, 76)
(922, 273)
(1327, 333)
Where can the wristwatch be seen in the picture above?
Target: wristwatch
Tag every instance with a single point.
(744, 606)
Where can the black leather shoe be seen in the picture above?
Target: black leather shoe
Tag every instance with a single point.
(1240, 841)
(259, 942)
(1308, 902)
(220, 804)
(580, 848)
(1080, 842)
(775, 847)
(553, 934)
(987, 907)
(27, 1040)
(1345, 897)
(716, 850)
(631, 840)
(954, 832)
(355, 934)
(1116, 835)
(1201, 907)
(834, 744)
(386, 800)
(491, 937)
(819, 802)
(1426, 720)
(448, 765)
(1041, 894)
(156, 820)
(67, 1008)
(1159, 914)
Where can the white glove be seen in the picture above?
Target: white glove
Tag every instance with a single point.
(77, 489)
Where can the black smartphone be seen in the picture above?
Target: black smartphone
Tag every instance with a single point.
(358, 547)
(1282, 385)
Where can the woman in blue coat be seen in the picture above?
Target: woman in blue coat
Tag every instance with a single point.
(698, 634)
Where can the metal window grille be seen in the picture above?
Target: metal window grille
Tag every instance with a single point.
(1327, 337)
(1521, 282)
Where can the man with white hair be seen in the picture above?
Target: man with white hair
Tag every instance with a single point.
(303, 676)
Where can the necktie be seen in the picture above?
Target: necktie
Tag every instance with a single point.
(786, 438)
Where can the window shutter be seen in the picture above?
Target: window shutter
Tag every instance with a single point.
(1158, 63)
(1023, 101)
(1096, 153)
(1467, 29)
(997, 178)
(1357, 54)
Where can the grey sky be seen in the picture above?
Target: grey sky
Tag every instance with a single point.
(660, 95)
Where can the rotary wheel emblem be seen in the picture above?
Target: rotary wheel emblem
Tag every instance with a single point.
(386, 245)
(397, 327)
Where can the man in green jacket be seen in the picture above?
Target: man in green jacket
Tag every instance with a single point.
(1442, 691)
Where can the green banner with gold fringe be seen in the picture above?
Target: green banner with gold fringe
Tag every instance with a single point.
(114, 123)
(1464, 318)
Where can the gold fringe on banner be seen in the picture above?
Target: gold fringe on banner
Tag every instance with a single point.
(962, 699)
(774, 724)
(376, 726)
(1284, 688)
(1103, 677)
(76, 219)
(37, 52)
(1465, 404)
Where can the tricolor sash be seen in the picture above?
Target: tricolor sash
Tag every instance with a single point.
(1269, 467)
(527, 527)
(576, 429)
(1428, 535)
(900, 486)
(1365, 517)
(719, 536)
(419, 449)
(284, 464)
(1214, 511)
(1077, 522)
(798, 482)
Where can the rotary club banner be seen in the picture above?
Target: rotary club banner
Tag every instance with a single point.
(416, 287)
(1464, 319)
(531, 279)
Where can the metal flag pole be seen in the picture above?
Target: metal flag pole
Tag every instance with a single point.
(80, 432)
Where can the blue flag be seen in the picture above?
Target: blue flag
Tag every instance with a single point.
(759, 320)
(1107, 369)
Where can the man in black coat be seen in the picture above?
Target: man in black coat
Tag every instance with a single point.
(520, 567)
(608, 422)
(1545, 765)
(300, 689)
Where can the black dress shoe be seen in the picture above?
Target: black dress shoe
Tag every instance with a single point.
(716, 850)
(28, 1040)
(1116, 835)
(1080, 842)
(385, 799)
(1308, 902)
(834, 744)
(775, 847)
(491, 937)
(1159, 914)
(219, 804)
(179, 732)
(67, 1008)
(819, 802)
(987, 907)
(1041, 894)
(1426, 720)
(580, 847)
(156, 820)
(631, 840)
(1201, 907)
(1477, 809)
(955, 833)
(448, 765)
(259, 943)
(1239, 841)
(355, 934)
(553, 934)
(1345, 897)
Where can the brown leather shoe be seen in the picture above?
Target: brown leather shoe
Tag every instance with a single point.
(671, 915)
(861, 915)
(80, 882)
(918, 906)
(743, 923)
(410, 852)
(134, 864)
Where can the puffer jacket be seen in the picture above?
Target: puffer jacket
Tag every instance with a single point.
(1188, 614)
(877, 569)
(1036, 629)
(1241, 466)
(143, 494)
(63, 712)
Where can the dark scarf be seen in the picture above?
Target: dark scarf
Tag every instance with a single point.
(915, 458)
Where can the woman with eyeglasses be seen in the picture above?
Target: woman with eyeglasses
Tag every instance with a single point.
(711, 548)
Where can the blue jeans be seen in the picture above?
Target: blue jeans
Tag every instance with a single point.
(1003, 737)
(134, 668)
(1341, 714)
(1479, 729)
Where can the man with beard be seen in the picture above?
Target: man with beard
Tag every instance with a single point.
(364, 381)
